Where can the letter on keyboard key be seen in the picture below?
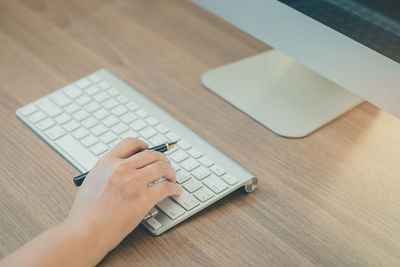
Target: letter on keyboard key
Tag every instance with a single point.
(170, 208)
(36, 117)
(72, 91)
(217, 170)
(192, 185)
(45, 124)
(203, 194)
(60, 98)
(178, 156)
(186, 200)
(55, 132)
(229, 179)
(182, 176)
(29, 109)
(201, 173)
(190, 164)
(153, 223)
(206, 162)
(195, 153)
(215, 184)
(48, 107)
(76, 151)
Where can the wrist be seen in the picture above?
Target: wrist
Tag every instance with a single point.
(85, 237)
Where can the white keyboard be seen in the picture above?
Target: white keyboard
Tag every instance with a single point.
(84, 120)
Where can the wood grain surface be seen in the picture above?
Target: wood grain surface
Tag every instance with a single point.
(332, 198)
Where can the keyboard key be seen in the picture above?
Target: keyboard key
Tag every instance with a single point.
(195, 153)
(200, 173)
(55, 132)
(138, 125)
(76, 151)
(215, 184)
(129, 133)
(170, 208)
(72, 91)
(178, 156)
(229, 179)
(101, 114)
(45, 124)
(152, 121)
(206, 162)
(110, 121)
(60, 99)
(132, 106)
(108, 137)
(114, 143)
(36, 117)
(89, 122)
(217, 170)
(184, 145)
(119, 110)
(153, 212)
(92, 106)
(83, 100)
(92, 90)
(162, 128)
(83, 83)
(62, 118)
(129, 117)
(175, 166)
(192, 185)
(148, 132)
(186, 200)
(99, 148)
(153, 223)
(98, 130)
(71, 108)
(101, 96)
(172, 136)
(80, 133)
(119, 128)
(71, 126)
(27, 110)
(110, 103)
(190, 164)
(95, 78)
(172, 150)
(122, 99)
(182, 176)
(141, 113)
(158, 140)
(104, 85)
(203, 194)
(112, 91)
(80, 115)
(90, 140)
(48, 107)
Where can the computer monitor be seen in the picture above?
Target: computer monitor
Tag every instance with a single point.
(328, 57)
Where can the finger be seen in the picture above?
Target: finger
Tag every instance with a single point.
(162, 190)
(156, 170)
(127, 148)
(147, 157)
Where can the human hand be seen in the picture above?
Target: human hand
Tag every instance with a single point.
(115, 196)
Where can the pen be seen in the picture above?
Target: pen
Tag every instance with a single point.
(78, 180)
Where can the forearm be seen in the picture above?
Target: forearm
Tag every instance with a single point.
(63, 245)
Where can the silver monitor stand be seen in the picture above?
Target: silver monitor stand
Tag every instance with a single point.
(283, 95)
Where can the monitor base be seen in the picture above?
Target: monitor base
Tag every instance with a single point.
(283, 95)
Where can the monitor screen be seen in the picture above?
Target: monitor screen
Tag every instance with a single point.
(373, 23)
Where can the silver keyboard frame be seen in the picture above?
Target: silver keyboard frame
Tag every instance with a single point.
(245, 178)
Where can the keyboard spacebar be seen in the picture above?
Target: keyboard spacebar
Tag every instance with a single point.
(77, 151)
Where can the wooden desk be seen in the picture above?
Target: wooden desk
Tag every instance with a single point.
(328, 199)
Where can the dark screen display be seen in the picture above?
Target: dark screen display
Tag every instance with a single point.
(373, 23)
